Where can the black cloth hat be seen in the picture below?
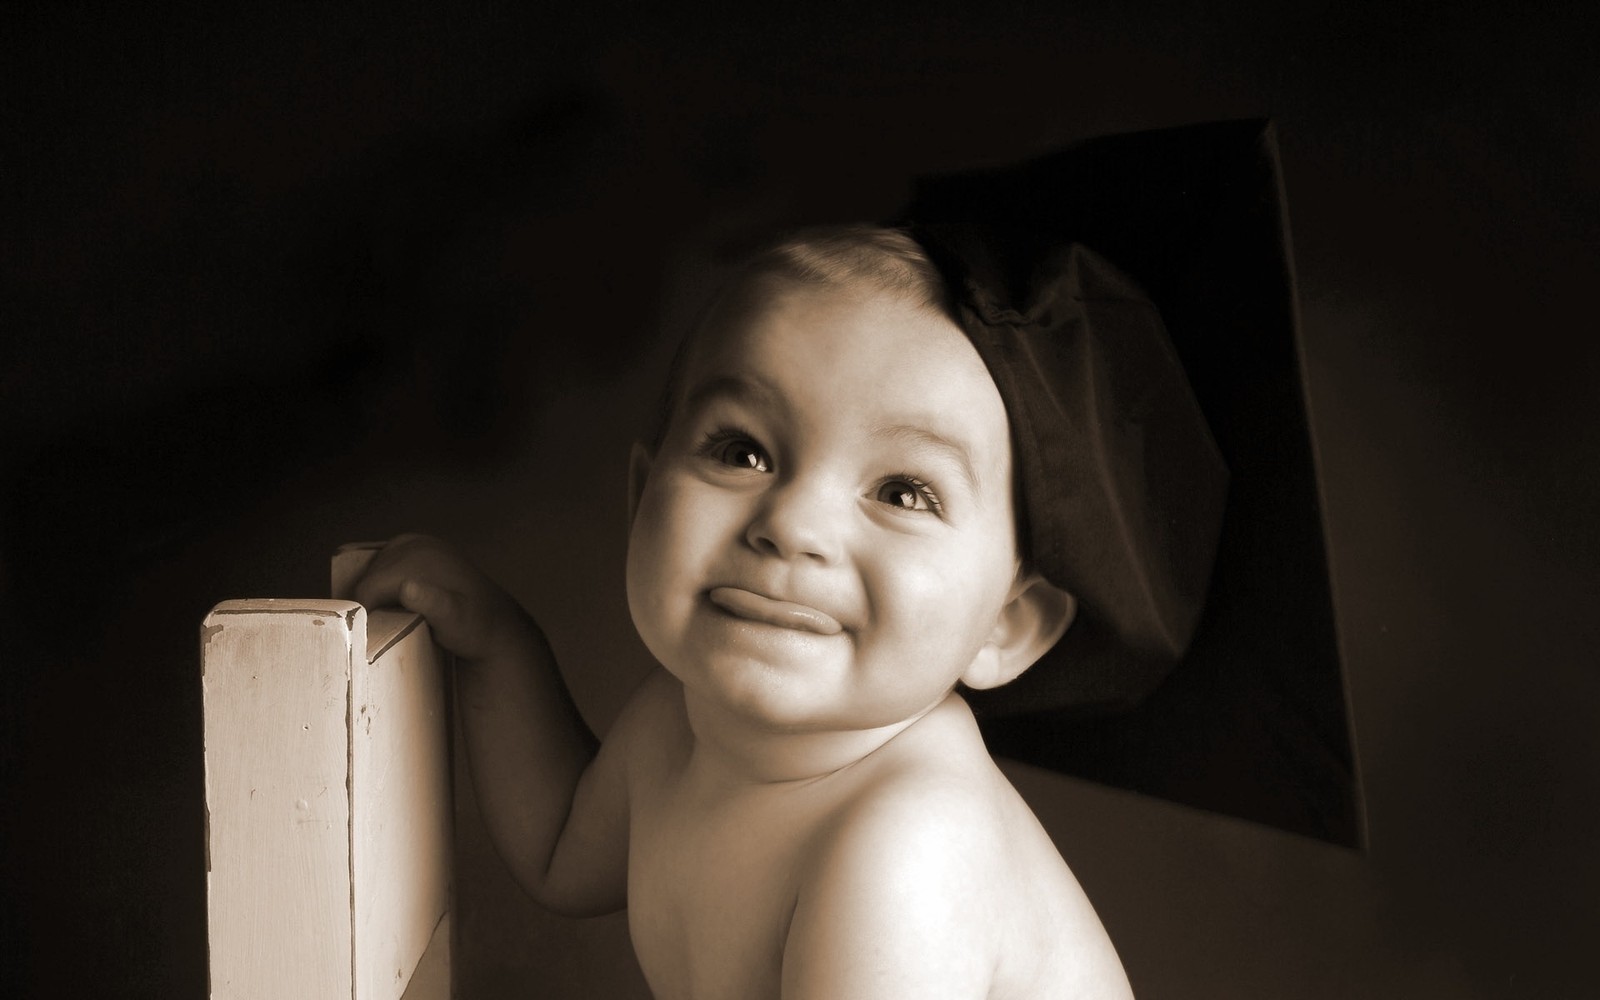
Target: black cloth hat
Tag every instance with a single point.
(1120, 487)
(1210, 678)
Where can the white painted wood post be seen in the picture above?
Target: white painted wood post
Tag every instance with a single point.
(329, 805)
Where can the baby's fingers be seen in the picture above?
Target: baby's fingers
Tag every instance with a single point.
(468, 614)
(472, 627)
(450, 617)
(403, 558)
(379, 584)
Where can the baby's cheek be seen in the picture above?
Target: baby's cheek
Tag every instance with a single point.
(655, 528)
(957, 606)
(926, 602)
(649, 563)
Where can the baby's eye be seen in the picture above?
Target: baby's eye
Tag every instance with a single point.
(737, 450)
(908, 493)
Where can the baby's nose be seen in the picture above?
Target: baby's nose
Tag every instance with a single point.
(797, 520)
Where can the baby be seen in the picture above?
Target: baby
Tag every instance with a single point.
(824, 545)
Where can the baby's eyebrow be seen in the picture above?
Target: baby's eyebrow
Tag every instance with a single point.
(924, 437)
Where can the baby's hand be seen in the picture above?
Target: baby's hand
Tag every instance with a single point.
(470, 615)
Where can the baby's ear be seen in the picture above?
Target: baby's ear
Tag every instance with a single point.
(639, 461)
(1036, 615)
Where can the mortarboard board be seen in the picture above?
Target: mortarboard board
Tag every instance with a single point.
(1205, 669)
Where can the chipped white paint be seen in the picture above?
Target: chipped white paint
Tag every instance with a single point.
(328, 801)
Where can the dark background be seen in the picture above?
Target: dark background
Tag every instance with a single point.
(283, 276)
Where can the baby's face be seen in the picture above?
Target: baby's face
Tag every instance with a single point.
(825, 537)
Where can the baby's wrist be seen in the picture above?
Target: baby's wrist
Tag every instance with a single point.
(511, 636)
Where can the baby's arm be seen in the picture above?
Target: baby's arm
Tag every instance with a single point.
(555, 809)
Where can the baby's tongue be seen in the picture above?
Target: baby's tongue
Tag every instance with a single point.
(784, 614)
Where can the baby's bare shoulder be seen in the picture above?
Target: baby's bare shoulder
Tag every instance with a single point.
(887, 902)
(899, 889)
(935, 781)
(945, 815)
(940, 865)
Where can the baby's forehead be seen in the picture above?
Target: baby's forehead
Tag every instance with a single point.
(739, 312)
(871, 343)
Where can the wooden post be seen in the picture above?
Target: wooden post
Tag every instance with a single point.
(328, 802)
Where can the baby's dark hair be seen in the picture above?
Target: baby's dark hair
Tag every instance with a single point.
(880, 258)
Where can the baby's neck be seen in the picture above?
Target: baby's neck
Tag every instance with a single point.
(732, 751)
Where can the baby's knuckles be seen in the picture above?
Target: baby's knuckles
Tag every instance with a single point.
(470, 615)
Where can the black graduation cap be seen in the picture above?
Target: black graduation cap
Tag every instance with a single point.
(1205, 666)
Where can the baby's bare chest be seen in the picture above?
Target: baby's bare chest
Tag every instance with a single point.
(711, 890)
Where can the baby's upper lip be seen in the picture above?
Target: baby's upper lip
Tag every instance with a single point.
(759, 607)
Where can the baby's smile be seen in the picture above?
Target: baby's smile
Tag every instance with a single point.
(752, 606)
